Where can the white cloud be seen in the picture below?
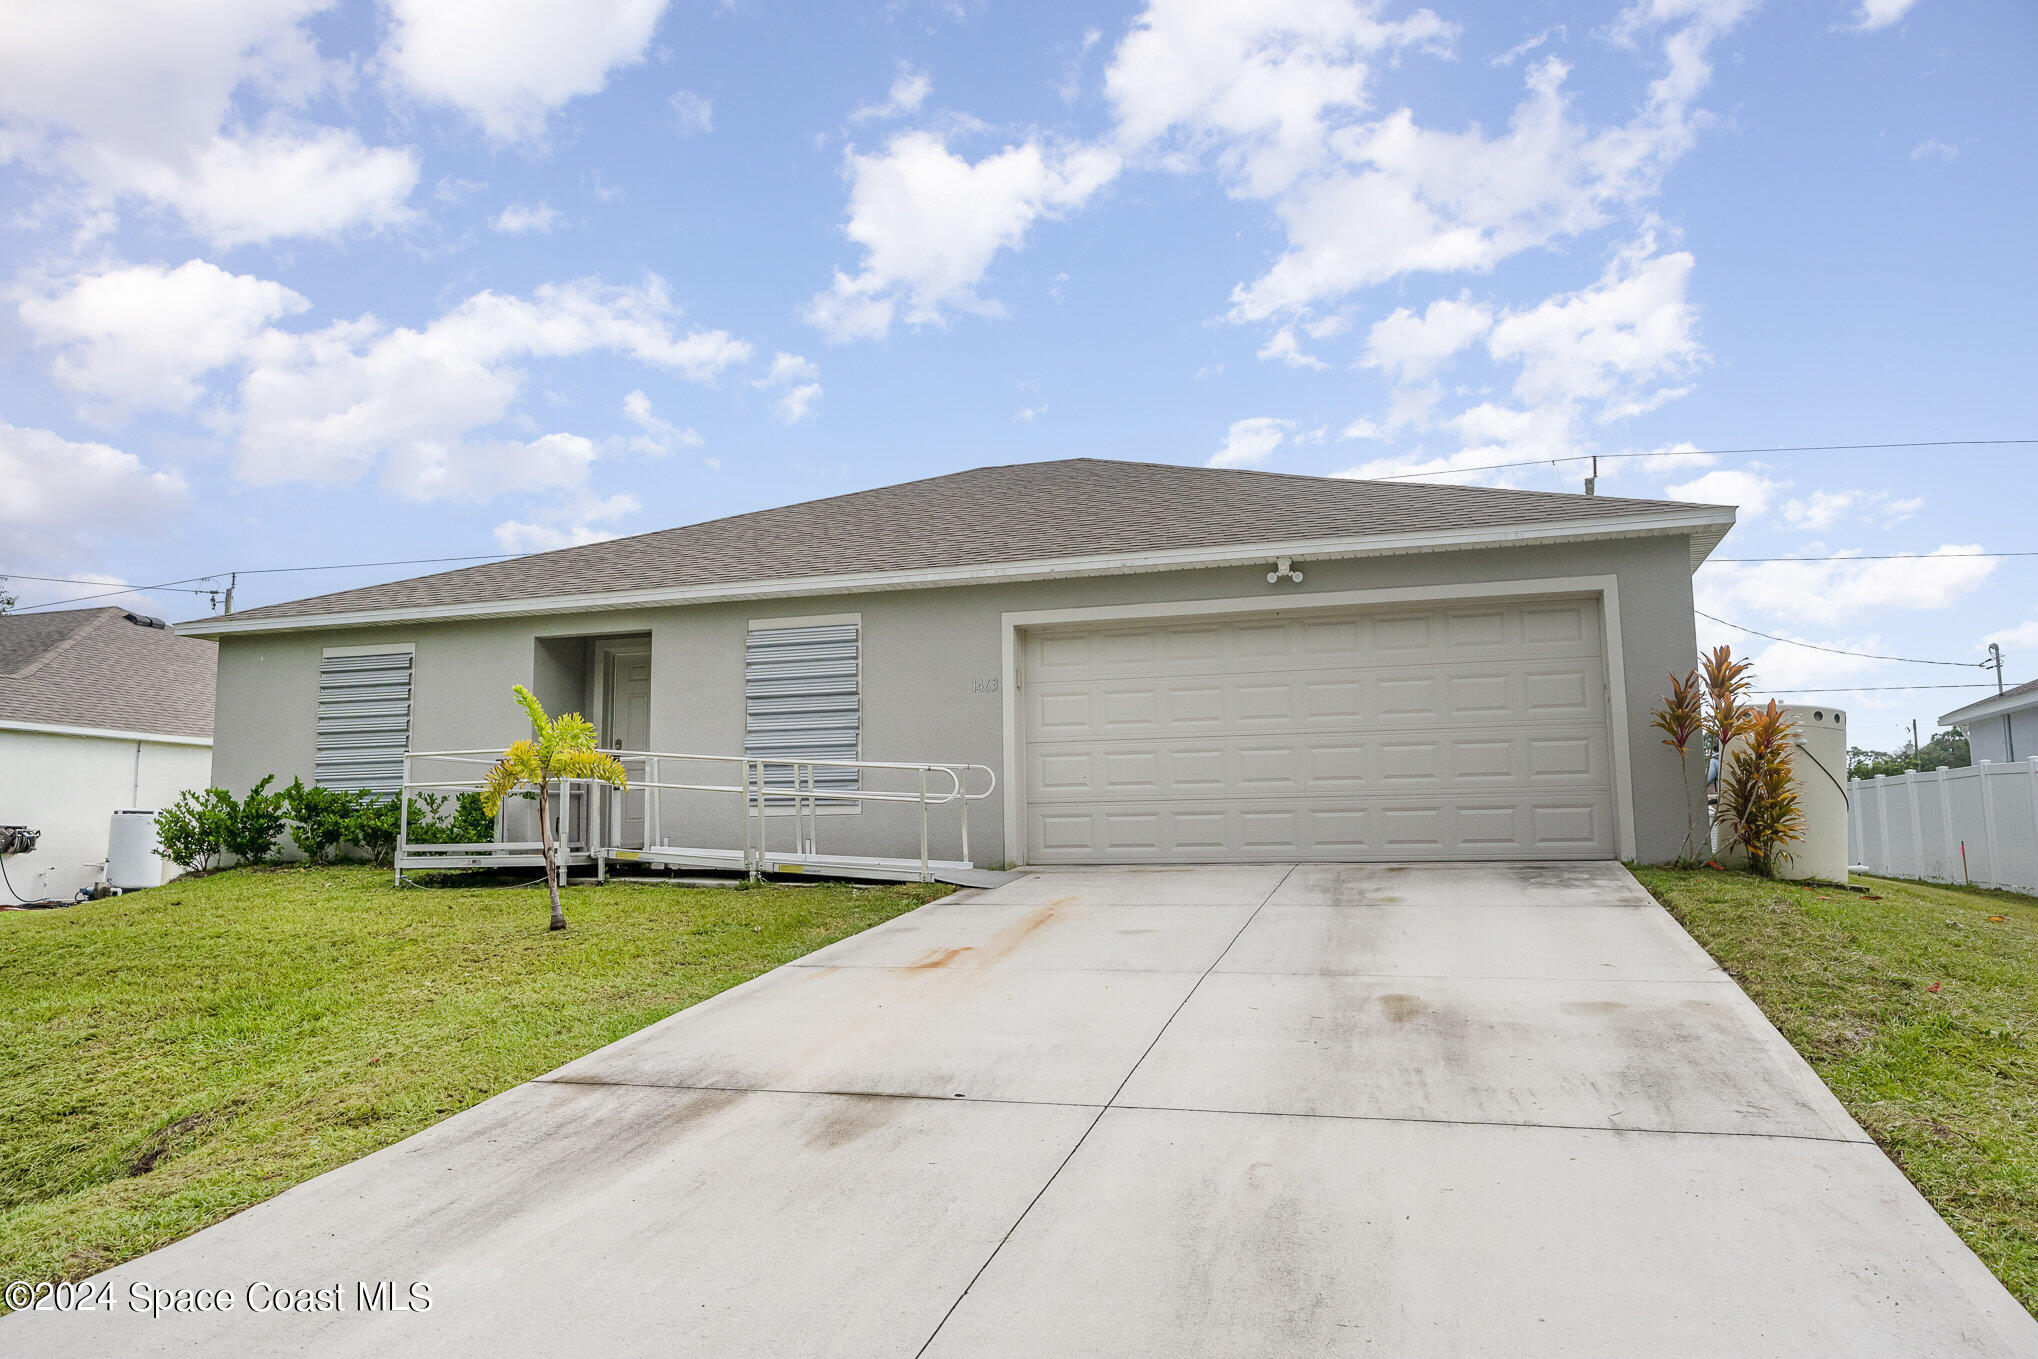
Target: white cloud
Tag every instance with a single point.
(1249, 443)
(1362, 428)
(790, 368)
(1409, 347)
(1283, 345)
(909, 90)
(799, 384)
(797, 403)
(656, 437)
(522, 219)
(692, 114)
(573, 525)
(1874, 14)
(1388, 196)
(332, 404)
(1823, 509)
(1026, 415)
(1828, 592)
(1256, 85)
(261, 187)
(433, 409)
(150, 78)
(142, 337)
(509, 65)
(1933, 149)
(1627, 331)
(931, 222)
(63, 499)
(1750, 491)
(2023, 637)
(138, 99)
(1556, 32)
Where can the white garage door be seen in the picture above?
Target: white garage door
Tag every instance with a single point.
(1474, 730)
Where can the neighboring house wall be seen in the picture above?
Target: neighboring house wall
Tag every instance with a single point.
(68, 787)
(1990, 738)
(928, 659)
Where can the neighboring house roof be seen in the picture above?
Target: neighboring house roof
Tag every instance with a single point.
(107, 669)
(2010, 700)
(1076, 516)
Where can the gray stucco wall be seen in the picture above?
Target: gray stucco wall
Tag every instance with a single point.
(928, 656)
(1989, 738)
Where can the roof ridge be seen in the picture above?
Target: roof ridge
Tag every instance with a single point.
(1392, 482)
(70, 639)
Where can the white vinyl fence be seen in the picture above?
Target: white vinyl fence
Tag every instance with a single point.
(1916, 825)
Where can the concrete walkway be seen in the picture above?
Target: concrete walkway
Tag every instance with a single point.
(1242, 1111)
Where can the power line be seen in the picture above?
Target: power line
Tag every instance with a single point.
(90, 580)
(108, 594)
(180, 584)
(1706, 453)
(1879, 557)
(350, 566)
(1869, 688)
(1836, 651)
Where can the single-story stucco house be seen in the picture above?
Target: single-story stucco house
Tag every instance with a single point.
(101, 710)
(2000, 727)
(1159, 663)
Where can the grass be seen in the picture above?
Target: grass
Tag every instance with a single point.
(1946, 1079)
(169, 1058)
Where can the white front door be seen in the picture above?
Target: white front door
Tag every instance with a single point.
(1471, 730)
(626, 725)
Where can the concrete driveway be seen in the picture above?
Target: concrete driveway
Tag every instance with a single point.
(1242, 1111)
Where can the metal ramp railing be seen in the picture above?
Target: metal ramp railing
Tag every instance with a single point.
(590, 818)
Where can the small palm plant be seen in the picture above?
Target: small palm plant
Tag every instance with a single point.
(1681, 719)
(562, 748)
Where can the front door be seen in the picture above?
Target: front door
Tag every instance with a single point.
(626, 725)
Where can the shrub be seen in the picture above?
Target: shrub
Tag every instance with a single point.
(192, 831)
(375, 825)
(321, 819)
(254, 824)
(1757, 806)
(472, 824)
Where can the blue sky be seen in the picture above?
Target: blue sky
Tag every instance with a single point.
(293, 283)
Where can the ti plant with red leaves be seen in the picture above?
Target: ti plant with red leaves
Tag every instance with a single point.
(1681, 719)
(1758, 807)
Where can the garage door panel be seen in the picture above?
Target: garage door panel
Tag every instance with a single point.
(1434, 762)
(1419, 640)
(1467, 730)
(1163, 832)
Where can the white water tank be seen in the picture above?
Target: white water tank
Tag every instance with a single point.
(1818, 774)
(131, 861)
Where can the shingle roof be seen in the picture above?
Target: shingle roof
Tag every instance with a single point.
(1028, 512)
(1995, 703)
(100, 668)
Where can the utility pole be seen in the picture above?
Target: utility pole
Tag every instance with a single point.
(1995, 660)
(232, 579)
(1917, 749)
(1592, 481)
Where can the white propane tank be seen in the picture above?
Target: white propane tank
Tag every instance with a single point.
(131, 861)
(1818, 775)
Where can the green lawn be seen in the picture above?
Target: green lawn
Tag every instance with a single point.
(171, 1057)
(1947, 1080)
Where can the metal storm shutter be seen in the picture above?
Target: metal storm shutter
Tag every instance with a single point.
(363, 721)
(800, 699)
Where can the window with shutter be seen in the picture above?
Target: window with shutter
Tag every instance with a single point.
(801, 700)
(363, 720)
